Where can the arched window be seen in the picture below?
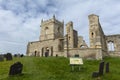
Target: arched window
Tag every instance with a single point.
(69, 38)
(35, 53)
(46, 30)
(92, 34)
(42, 51)
(58, 29)
(110, 46)
(82, 46)
(51, 50)
(59, 47)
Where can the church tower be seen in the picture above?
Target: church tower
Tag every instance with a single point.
(96, 34)
(72, 35)
(94, 31)
(51, 29)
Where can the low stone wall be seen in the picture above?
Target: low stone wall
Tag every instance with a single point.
(59, 53)
(86, 53)
(114, 54)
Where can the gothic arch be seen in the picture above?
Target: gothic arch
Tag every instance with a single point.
(110, 45)
(51, 50)
(35, 53)
(46, 30)
(92, 34)
(58, 29)
(42, 51)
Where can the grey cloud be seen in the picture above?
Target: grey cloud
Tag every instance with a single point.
(20, 19)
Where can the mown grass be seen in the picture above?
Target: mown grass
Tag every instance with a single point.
(52, 68)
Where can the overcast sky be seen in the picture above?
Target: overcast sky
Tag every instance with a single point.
(20, 19)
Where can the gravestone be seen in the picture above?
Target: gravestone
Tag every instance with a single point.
(8, 56)
(15, 55)
(107, 67)
(18, 55)
(21, 55)
(16, 68)
(56, 55)
(76, 55)
(101, 68)
(1, 58)
(95, 74)
(46, 54)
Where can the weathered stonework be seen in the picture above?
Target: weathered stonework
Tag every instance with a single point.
(115, 40)
(53, 42)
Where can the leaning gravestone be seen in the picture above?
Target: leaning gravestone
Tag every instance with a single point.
(107, 67)
(16, 68)
(21, 55)
(8, 56)
(1, 58)
(101, 70)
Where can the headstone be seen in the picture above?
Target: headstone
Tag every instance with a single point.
(76, 55)
(56, 55)
(21, 55)
(15, 55)
(8, 56)
(16, 68)
(35, 53)
(1, 58)
(107, 67)
(95, 74)
(46, 54)
(18, 55)
(101, 68)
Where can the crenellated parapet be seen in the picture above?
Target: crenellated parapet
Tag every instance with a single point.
(52, 20)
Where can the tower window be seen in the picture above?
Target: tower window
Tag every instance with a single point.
(69, 37)
(46, 30)
(58, 29)
(92, 34)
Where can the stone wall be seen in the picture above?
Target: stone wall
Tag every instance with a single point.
(41, 47)
(115, 40)
(89, 53)
(96, 34)
(53, 41)
(81, 42)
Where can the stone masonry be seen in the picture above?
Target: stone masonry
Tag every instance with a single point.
(53, 41)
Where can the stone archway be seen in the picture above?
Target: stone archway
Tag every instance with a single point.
(51, 50)
(42, 52)
(35, 53)
(47, 52)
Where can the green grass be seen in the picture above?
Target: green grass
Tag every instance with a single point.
(52, 68)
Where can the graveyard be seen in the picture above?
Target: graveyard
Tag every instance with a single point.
(58, 68)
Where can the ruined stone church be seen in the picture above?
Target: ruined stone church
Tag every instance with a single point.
(53, 42)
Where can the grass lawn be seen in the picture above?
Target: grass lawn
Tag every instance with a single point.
(52, 68)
